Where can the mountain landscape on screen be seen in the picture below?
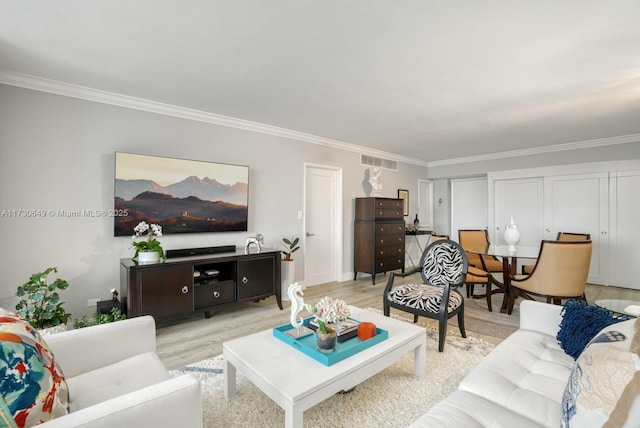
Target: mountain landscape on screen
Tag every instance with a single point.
(190, 205)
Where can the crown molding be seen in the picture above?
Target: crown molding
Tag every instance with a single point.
(600, 142)
(96, 95)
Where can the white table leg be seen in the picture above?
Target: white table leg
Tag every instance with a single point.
(229, 380)
(419, 360)
(293, 417)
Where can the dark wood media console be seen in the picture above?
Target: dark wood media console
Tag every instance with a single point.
(183, 285)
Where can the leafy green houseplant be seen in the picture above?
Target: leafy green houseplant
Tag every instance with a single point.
(114, 315)
(291, 246)
(150, 244)
(40, 303)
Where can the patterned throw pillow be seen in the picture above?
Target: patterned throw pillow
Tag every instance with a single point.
(604, 379)
(33, 386)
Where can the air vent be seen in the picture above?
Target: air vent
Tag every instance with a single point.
(379, 162)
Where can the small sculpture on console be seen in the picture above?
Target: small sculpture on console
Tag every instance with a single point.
(297, 305)
(257, 240)
(375, 179)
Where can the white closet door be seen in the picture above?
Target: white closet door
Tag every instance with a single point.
(580, 203)
(625, 229)
(468, 205)
(521, 199)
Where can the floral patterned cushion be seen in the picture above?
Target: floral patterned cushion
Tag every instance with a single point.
(33, 386)
(423, 297)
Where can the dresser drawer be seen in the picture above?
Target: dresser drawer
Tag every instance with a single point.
(390, 251)
(389, 263)
(379, 209)
(388, 212)
(390, 229)
(214, 293)
(389, 240)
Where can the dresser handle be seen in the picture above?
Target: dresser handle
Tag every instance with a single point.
(185, 290)
(216, 294)
(245, 280)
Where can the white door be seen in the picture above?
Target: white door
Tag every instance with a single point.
(521, 199)
(580, 203)
(625, 229)
(322, 224)
(425, 204)
(468, 205)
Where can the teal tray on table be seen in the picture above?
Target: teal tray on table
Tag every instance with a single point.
(308, 344)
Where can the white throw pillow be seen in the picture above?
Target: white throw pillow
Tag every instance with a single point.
(605, 379)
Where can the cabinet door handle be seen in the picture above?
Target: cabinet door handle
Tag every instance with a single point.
(216, 294)
(245, 280)
(185, 289)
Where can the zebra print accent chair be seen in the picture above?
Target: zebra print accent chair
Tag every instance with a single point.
(443, 268)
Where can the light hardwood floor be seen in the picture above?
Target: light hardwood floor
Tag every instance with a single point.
(186, 340)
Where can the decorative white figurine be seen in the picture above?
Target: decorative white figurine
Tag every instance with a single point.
(512, 235)
(375, 179)
(297, 304)
(257, 240)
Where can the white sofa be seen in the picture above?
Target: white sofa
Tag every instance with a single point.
(521, 382)
(116, 379)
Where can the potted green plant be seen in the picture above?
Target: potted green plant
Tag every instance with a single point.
(287, 265)
(114, 315)
(149, 249)
(40, 303)
(291, 246)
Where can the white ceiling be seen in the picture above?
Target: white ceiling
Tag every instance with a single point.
(427, 79)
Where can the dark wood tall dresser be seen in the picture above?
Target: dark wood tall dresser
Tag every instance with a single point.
(379, 234)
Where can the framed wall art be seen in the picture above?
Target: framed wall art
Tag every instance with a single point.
(404, 195)
(183, 196)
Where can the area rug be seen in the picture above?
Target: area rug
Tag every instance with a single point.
(392, 398)
(477, 317)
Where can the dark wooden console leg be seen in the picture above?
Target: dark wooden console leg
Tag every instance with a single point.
(207, 314)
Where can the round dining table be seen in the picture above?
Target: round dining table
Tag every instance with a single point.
(509, 258)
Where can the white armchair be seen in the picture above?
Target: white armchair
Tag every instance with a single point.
(116, 379)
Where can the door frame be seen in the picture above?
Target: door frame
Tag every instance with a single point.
(336, 218)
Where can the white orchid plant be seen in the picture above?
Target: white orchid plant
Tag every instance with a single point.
(328, 311)
(150, 243)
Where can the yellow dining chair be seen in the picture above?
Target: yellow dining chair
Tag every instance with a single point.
(482, 265)
(478, 238)
(562, 236)
(560, 272)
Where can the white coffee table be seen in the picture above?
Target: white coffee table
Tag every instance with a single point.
(297, 382)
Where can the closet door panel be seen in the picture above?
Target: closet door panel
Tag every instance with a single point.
(625, 229)
(521, 199)
(579, 203)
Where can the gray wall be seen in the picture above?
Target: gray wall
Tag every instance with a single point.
(57, 153)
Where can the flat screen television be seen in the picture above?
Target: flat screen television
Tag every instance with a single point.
(182, 196)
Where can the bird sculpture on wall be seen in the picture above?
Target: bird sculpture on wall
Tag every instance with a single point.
(297, 304)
